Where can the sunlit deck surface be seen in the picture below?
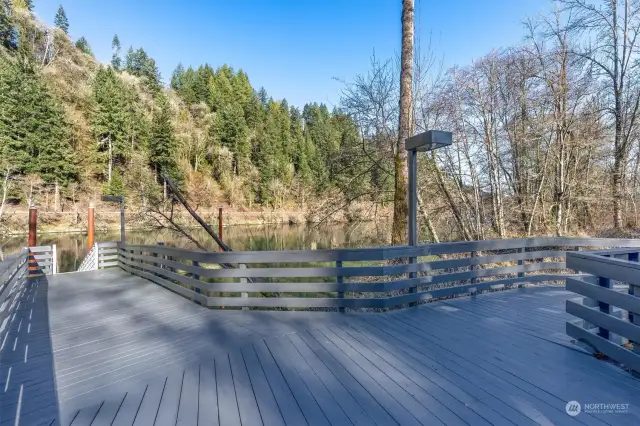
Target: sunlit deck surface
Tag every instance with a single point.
(104, 347)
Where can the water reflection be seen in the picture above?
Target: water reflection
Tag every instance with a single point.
(73, 247)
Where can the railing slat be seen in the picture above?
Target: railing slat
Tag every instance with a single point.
(603, 294)
(604, 321)
(612, 350)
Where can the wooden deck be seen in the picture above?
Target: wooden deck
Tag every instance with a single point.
(108, 348)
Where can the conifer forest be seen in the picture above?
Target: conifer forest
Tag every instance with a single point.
(546, 133)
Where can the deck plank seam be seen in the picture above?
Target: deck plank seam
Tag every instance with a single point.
(503, 382)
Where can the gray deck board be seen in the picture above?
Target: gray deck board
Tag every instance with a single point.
(433, 405)
(352, 408)
(528, 404)
(105, 348)
(269, 410)
(330, 407)
(247, 405)
(208, 396)
(387, 380)
(130, 405)
(312, 411)
(148, 410)
(170, 402)
(227, 402)
(188, 409)
(289, 406)
(377, 413)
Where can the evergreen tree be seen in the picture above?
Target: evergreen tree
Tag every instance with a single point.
(188, 86)
(116, 61)
(221, 91)
(34, 132)
(162, 140)
(8, 37)
(140, 64)
(301, 154)
(109, 119)
(128, 60)
(203, 76)
(230, 131)
(176, 78)
(61, 20)
(83, 45)
(263, 97)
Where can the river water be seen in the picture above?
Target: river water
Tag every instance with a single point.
(72, 247)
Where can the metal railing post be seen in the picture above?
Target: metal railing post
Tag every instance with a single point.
(340, 280)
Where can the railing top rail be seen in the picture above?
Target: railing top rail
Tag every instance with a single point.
(608, 267)
(379, 253)
(41, 249)
(12, 261)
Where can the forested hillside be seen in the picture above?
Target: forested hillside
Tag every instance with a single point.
(72, 128)
(546, 137)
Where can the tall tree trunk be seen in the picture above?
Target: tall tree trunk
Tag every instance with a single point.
(56, 199)
(400, 201)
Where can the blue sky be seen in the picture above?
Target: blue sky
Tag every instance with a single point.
(294, 49)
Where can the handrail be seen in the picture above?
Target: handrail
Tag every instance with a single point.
(613, 332)
(12, 279)
(354, 277)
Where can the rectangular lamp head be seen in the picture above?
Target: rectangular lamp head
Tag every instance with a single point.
(112, 198)
(429, 140)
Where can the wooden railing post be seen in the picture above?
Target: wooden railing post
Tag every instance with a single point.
(54, 260)
(244, 281)
(412, 275)
(521, 262)
(160, 243)
(634, 290)
(155, 254)
(340, 280)
(195, 276)
(473, 266)
(604, 307)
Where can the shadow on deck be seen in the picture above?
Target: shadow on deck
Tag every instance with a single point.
(128, 352)
(27, 374)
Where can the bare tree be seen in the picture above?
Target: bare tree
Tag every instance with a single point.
(611, 28)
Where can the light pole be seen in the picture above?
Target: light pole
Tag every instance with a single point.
(423, 142)
(117, 199)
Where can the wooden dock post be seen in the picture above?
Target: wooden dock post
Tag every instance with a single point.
(91, 227)
(33, 239)
(33, 226)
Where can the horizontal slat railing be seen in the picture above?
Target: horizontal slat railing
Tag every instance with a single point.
(609, 317)
(13, 275)
(354, 278)
(42, 260)
(107, 254)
